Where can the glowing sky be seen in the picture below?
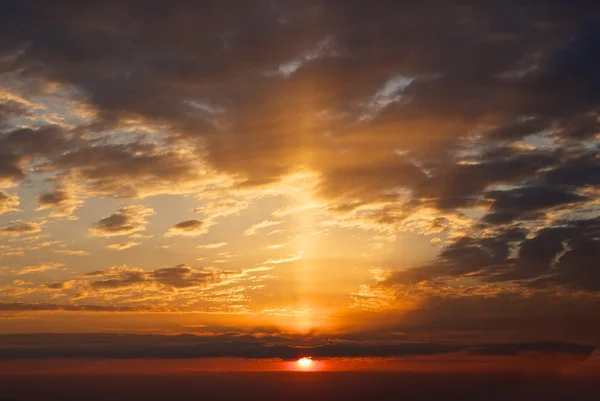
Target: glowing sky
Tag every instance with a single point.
(315, 173)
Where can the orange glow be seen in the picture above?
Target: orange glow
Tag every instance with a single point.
(566, 364)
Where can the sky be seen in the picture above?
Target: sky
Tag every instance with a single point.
(277, 179)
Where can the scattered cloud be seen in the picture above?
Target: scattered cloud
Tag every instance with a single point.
(23, 307)
(8, 203)
(60, 202)
(122, 246)
(253, 229)
(125, 221)
(188, 228)
(39, 268)
(214, 245)
(287, 259)
(73, 252)
(18, 228)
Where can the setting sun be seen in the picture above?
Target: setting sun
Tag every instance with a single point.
(305, 362)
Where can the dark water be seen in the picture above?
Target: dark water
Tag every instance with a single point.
(298, 386)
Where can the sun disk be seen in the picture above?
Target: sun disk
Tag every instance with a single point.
(305, 362)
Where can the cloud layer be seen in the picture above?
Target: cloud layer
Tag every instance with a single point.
(451, 148)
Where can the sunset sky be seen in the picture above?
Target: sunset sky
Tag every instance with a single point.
(276, 179)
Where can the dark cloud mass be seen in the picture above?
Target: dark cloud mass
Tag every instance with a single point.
(243, 345)
(231, 78)
(564, 256)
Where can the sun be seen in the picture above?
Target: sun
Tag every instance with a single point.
(305, 362)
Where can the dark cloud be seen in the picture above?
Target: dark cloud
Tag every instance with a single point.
(54, 198)
(23, 307)
(61, 202)
(508, 349)
(530, 198)
(472, 66)
(130, 170)
(187, 228)
(572, 251)
(180, 276)
(527, 202)
(579, 267)
(20, 146)
(57, 286)
(498, 313)
(191, 225)
(16, 228)
(563, 256)
(468, 46)
(466, 256)
(35, 142)
(9, 109)
(241, 345)
(580, 171)
(127, 220)
(455, 185)
(118, 278)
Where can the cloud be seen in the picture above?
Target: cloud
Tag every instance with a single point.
(119, 277)
(23, 307)
(223, 207)
(253, 229)
(287, 259)
(453, 123)
(125, 221)
(245, 131)
(61, 202)
(581, 170)
(8, 203)
(245, 345)
(189, 228)
(19, 227)
(213, 245)
(132, 170)
(74, 252)
(182, 276)
(497, 313)
(324, 47)
(21, 145)
(509, 205)
(122, 246)
(8, 250)
(39, 268)
(560, 256)
(171, 289)
(248, 143)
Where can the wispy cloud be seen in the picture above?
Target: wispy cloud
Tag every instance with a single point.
(253, 229)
